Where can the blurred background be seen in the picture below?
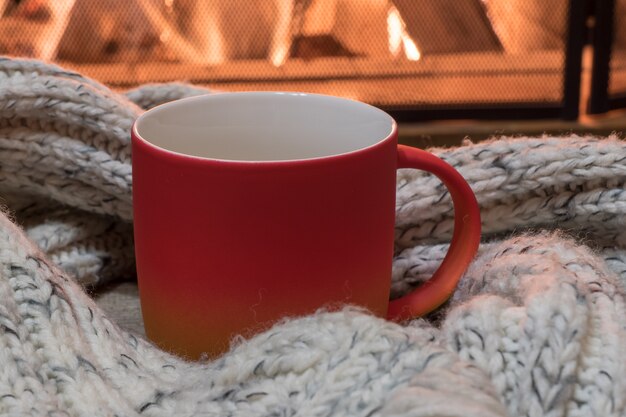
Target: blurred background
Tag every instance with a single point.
(444, 68)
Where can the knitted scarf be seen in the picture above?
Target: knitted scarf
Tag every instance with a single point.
(536, 326)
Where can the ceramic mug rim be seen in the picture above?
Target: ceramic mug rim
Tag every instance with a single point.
(386, 132)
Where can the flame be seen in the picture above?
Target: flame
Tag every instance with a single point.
(60, 12)
(214, 51)
(279, 55)
(394, 28)
(399, 38)
(281, 40)
(410, 49)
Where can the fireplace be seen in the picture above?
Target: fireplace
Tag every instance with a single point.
(418, 60)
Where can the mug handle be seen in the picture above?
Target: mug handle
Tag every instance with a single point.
(465, 239)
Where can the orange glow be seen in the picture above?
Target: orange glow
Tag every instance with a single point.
(281, 41)
(394, 27)
(184, 48)
(279, 55)
(61, 10)
(410, 49)
(399, 38)
(214, 43)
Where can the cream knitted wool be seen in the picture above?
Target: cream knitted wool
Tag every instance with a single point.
(535, 327)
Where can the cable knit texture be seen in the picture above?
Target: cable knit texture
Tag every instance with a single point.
(535, 328)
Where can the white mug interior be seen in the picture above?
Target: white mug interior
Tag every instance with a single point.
(264, 126)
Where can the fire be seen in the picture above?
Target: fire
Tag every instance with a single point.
(399, 38)
(61, 11)
(214, 42)
(320, 18)
(281, 42)
(410, 49)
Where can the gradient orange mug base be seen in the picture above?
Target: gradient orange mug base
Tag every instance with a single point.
(251, 207)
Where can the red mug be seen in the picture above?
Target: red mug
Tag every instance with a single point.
(252, 207)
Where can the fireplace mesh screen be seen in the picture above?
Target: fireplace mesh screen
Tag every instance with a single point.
(392, 53)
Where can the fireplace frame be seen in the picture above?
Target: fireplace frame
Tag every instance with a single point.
(600, 99)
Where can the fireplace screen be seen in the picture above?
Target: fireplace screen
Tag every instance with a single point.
(403, 55)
